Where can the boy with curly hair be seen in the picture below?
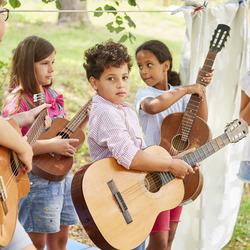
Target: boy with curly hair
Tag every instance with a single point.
(114, 129)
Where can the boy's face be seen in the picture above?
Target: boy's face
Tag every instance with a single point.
(113, 85)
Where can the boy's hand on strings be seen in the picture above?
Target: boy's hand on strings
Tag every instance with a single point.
(63, 146)
(180, 155)
(181, 169)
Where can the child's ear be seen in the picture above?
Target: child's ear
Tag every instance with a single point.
(93, 82)
(166, 65)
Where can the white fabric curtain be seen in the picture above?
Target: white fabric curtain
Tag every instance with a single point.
(208, 222)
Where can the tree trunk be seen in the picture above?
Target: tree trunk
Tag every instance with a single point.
(77, 18)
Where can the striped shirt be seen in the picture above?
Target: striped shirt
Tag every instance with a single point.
(114, 131)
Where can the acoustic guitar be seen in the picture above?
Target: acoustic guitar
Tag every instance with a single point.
(14, 184)
(113, 203)
(182, 131)
(54, 167)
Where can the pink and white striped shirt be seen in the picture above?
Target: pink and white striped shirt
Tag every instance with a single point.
(114, 131)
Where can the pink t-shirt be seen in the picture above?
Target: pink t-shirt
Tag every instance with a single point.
(54, 110)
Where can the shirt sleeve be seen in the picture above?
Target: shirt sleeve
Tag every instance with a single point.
(116, 137)
(10, 108)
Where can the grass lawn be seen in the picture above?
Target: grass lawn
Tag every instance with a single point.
(69, 77)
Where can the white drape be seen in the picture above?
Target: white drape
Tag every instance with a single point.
(208, 222)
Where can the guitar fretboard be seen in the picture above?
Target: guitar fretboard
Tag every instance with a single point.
(79, 117)
(36, 128)
(194, 102)
(206, 150)
(198, 155)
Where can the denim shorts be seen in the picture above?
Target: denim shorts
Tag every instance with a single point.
(47, 206)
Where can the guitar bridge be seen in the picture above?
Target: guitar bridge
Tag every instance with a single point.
(3, 195)
(120, 201)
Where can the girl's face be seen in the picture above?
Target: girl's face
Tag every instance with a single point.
(113, 85)
(44, 70)
(151, 71)
(2, 25)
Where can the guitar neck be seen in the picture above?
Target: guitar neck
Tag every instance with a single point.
(206, 150)
(36, 128)
(79, 117)
(194, 102)
(198, 155)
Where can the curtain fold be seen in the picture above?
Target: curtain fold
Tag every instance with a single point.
(208, 222)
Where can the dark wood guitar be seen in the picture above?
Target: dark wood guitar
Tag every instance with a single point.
(181, 131)
(113, 203)
(54, 167)
(14, 184)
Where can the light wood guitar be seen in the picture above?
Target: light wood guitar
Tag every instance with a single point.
(182, 131)
(118, 207)
(54, 167)
(14, 184)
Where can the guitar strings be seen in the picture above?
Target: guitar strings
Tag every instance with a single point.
(193, 105)
(138, 186)
(32, 135)
(75, 122)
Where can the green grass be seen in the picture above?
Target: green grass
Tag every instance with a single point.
(241, 236)
(69, 77)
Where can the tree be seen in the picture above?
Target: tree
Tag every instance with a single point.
(120, 24)
(76, 17)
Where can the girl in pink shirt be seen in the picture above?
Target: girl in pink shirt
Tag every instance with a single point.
(47, 211)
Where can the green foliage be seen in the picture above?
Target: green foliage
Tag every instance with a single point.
(14, 3)
(120, 24)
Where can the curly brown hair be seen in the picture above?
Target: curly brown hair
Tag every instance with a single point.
(105, 55)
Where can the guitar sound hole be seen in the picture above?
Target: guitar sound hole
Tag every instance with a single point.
(152, 182)
(63, 135)
(178, 144)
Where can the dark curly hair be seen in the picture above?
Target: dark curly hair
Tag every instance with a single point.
(162, 53)
(105, 55)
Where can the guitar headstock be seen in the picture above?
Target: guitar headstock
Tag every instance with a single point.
(219, 38)
(39, 98)
(236, 130)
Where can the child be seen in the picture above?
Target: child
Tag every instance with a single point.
(114, 129)
(9, 138)
(162, 97)
(244, 171)
(47, 211)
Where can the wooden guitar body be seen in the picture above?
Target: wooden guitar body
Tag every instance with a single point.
(171, 137)
(182, 131)
(118, 207)
(51, 166)
(171, 140)
(14, 185)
